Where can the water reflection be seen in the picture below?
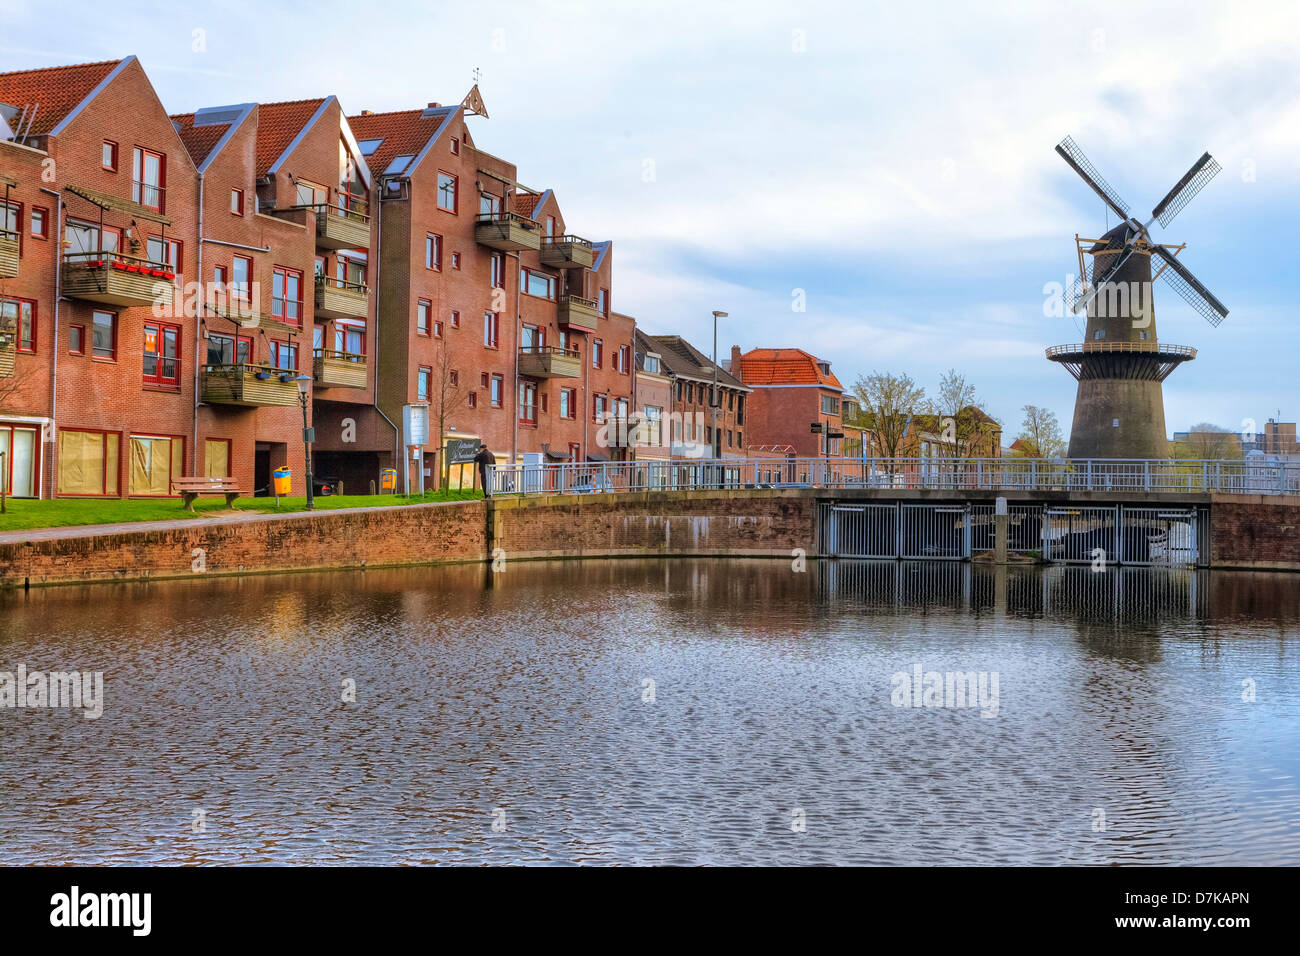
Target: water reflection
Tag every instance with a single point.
(526, 691)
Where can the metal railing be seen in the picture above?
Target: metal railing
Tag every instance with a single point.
(567, 238)
(101, 258)
(356, 209)
(337, 355)
(1120, 347)
(549, 350)
(345, 285)
(1159, 475)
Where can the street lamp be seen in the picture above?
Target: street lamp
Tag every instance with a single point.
(308, 435)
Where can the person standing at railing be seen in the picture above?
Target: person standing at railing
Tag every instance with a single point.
(483, 459)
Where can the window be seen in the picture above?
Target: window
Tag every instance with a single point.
(352, 192)
(537, 283)
(731, 401)
(350, 337)
(20, 315)
(104, 335)
(550, 226)
(241, 272)
(229, 350)
(498, 390)
(491, 330)
(77, 339)
(498, 271)
(472, 400)
(446, 191)
(624, 354)
(433, 252)
(216, 458)
(575, 451)
(564, 340)
(690, 393)
(1099, 334)
(88, 462)
(488, 204)
(422, 384)
(220, 276)
(284, 356)
(532, 339)
(729, 436)
(483, 379)
(544, 403)
(86, 237)
(309, 194)
(237, 201)
(620, 408)
(599, 408)
(286, 295)
(830, 405)
(651, 363)
(455, 146)
(166, 251)
(597, 353)
(678, 389)
(455, 260)
(1142, 336)
(40, 222)
(528, 403)
(351, 269)
(422, 309)
(455, 320)
(162, 354)
(654, 416)
(740, 440)
(602, 302)
(20, 448)
(149, 178)
(109, 157)
(153, 461)
(453, 377)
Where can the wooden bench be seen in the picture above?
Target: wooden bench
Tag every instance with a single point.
(191, 488)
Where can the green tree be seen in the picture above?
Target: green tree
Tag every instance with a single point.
(888, 402)
(1040, 434)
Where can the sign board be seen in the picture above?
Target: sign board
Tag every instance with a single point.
(461, 451)
(415, 424)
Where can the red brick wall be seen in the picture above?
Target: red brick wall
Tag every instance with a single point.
(1250, 531)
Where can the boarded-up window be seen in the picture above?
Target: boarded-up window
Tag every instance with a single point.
(216, 458)
(153, 463)
(87, 463)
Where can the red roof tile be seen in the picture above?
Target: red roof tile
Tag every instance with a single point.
(277, 125)
(404, 133)
(524, 204)
(54, 91)
(784, 367)
(198, 140)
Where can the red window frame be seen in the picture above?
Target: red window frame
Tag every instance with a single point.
(569, 403)
(602, 302)
(437, 330)
(423, 377)
(528, 403)
(280, 303)
(112, 357)
(138, 186)
(433, 252)
(623, 359)
(17, 208)
(575, 451)
(244, 291)
(498, 271)
(483, 379)
(526, 274)
(277, 346)
(491, 330)
(597, 353)
(455, 320)
(599, 407)
(80, 335)
(112, 152)
(103, 474)
(345, 327)
(455, 260)
(455, 146)
(472, 400)
(423, 309)
(497, 394)
(453, 376)
(236, 202)
(161, 329)
(44, 214)
(220, 276)
(454, 208)
(30, 347)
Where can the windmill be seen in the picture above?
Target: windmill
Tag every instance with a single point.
(1120, 367)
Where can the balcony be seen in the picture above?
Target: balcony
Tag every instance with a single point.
(112, 278)
(333, 369)
(340, 299)
(566, 252)
(506, 231)
(251, 386)
(577, 314)
(342, 228)
(547, 362)
(8, 254)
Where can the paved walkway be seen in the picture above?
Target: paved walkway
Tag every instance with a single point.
(126, 527)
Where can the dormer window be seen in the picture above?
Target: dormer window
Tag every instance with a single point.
(1099, 334)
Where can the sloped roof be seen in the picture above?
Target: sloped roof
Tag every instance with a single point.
(404, 133)
(785, 367)
(684, 360)
(278, 125)
(55, 91)
(524, 204)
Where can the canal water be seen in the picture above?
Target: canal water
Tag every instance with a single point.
(684, 711)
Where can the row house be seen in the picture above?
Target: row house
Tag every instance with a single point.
(795, 407)
(493, 314)
(703, 424)
(654, 400)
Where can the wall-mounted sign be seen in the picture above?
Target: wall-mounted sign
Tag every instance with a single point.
(415, 424)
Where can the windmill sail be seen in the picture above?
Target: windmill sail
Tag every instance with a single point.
(1189, 287)
(1202, 171)
(1072, 154)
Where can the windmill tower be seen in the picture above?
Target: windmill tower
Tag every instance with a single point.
(1119, 410)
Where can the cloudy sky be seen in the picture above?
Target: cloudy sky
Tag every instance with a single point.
(889, 165)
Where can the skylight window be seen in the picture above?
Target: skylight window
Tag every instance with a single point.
(368, 146)
(398, 165)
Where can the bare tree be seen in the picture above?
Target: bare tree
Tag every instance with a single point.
(1040, 434)
(888, 403)
(961, 426)
(451, 393)
(1206, 440)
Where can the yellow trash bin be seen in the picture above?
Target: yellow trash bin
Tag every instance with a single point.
(388, 479)
(283, 477)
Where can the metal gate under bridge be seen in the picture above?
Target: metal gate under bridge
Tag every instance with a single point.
(954, 531)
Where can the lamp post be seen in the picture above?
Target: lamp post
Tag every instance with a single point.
(715, 403)
(308, 435)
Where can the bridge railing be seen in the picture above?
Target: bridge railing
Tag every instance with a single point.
(1269, 477)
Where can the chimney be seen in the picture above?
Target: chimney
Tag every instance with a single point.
(733, 366)
(434, 106)
(367, 113)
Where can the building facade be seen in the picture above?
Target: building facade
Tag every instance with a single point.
(701, 427)
(795, 407)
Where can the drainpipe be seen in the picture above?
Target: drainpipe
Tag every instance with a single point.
(198, 341)
(379, 245)
(54, 365)
(519, 318)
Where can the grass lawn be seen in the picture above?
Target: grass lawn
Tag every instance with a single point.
(25, 513)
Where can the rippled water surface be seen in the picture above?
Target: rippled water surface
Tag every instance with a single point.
(520, 699)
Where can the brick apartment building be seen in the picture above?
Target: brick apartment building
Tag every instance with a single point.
(654, 400)
(691, 421)
(384, 257)
(791, 392)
